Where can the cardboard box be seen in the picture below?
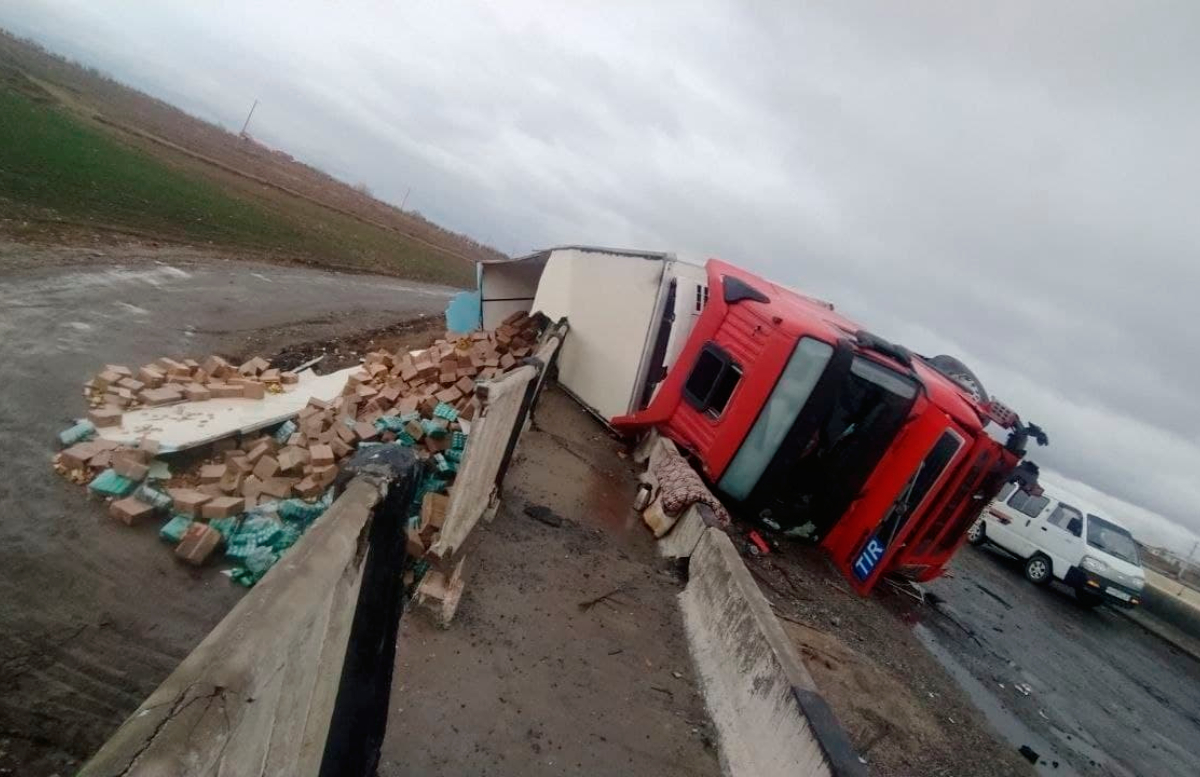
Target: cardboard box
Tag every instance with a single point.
(414, 546)
(321, 455)
(105, 416)
(231, 482)
(225, 390)
(292, 458)
(129, 465)
(198, 543)
(77, 456)
(325, 475)
(195, 392)
(280, 488)
(152, 376)
(433, 513)
(309, 488)
(266, 467)
(251, 488)
(340, 449)
(161, 396)
(188, 501)
(130, 510)
(222, 507)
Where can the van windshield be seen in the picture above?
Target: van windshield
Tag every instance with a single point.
(1111, 539)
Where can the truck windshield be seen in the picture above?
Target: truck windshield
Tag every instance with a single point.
(1111, 539)
(819, 436)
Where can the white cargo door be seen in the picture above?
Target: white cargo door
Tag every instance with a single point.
(609, 300)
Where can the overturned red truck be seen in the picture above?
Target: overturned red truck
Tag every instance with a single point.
(796, 415)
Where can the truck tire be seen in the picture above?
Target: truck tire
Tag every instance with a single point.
(977, 534)
(1038, 570)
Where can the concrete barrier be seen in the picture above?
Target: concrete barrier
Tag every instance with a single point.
(1171, 601)
(506, 405)
(770, 718)
(284, 684)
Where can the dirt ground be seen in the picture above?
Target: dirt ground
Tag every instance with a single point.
(530, 679)
(904, 713)
(93, 614)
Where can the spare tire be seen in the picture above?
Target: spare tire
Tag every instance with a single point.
(961, 374)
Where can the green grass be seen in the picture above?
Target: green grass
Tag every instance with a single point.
(52, 161)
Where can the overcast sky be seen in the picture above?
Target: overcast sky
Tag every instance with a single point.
(1011, 183)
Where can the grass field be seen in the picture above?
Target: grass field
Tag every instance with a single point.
(54, 164)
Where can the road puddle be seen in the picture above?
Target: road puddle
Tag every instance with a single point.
(1006, 724)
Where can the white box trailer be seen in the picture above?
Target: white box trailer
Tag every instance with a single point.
(630, 313)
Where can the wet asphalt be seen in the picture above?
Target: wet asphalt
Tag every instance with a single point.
(1089, 691)
(93, 614)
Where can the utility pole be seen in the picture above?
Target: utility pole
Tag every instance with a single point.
(406, 193)
(248, 115)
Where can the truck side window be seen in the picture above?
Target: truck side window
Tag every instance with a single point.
(1018, 500)
(712, 380)
(1006, 492)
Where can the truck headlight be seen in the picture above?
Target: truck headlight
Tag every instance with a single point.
(1137, 583)
(1094, 565)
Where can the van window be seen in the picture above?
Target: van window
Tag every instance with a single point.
(712, 380)
(1030, 505)
(1062, 516)
(1112, 539)
(1006, 492)
(1035, 505)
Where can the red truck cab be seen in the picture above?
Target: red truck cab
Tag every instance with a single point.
(799, 416)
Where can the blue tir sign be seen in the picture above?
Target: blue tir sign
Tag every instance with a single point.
(864, 565)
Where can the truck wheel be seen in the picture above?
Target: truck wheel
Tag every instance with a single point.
(977, 534)
(1037, 569)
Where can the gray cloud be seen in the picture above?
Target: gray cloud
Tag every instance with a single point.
(1009, 184)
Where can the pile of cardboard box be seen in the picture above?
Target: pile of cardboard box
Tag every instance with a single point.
(118, 388)
(425, 400)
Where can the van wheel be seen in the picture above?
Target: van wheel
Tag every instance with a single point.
(976, 534)
(1037, 569)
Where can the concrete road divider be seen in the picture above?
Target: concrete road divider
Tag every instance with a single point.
(294, 680)
(770, 718)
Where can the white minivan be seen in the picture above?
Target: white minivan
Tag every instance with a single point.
(1059, 536)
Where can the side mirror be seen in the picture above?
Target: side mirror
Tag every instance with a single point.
(1075, 526)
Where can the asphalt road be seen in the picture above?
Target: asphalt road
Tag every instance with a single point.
(1104, 696)
(93, 615)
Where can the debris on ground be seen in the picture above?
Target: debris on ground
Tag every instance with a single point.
(544, 515)
(255, 494)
